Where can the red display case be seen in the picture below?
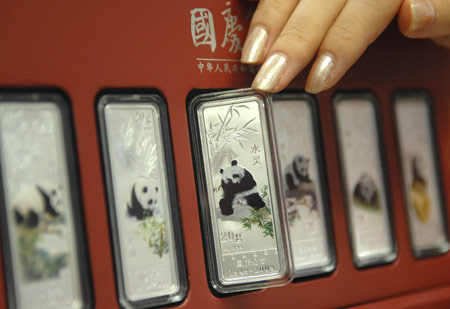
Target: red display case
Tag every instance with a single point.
(83, 47)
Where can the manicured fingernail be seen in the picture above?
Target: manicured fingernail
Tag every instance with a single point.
(321, 73)
(270, 72)
(423, 14)
(253, 49)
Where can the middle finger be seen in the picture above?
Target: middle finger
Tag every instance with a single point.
(297, 43)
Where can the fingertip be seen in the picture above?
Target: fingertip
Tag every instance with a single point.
(270, 73)
(254, 47)
(419, 18)
(322, 73)
(404, 18)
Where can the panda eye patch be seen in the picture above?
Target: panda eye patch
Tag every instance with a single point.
(150, 201)
(53, 192)
(156, 189)
(144, 189)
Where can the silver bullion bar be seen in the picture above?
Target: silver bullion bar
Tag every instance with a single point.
(303, 184)
(420, 174)
(242, 202)
(39, 210)
(364, 180)
(142, 207)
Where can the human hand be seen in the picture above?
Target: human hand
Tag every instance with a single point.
(434, 24)
(287, 34)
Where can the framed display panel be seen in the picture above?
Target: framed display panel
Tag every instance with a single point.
(422, 188)
(364, 178)
(298, 136)
(83, 56)
(142, 198)
(245, 233)
(45, 257)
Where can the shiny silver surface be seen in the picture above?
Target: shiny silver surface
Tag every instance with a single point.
(35, 179)
(247, 244)
(142, 209)
(421, 182)
(304, 194)
(365, 189)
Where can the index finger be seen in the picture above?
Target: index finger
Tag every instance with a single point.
(267, 22)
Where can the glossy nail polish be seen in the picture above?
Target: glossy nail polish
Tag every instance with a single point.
(321, 73)
(253, 49)
(270, 72)
(423, 14)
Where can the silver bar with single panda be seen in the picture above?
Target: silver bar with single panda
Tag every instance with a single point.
(142, 199)
(422, 187)
(304, 182)
(45, 259)
(364, 178)
(241, 204)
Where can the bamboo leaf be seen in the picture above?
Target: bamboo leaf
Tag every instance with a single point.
(228, 122)
(240, 143)
(220, 118)
(244, 106)
(248, 122)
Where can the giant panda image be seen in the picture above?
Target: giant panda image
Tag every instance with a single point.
(35, 205)
(419, 195)
(365, 193)
(41, 244)
(143, 200)
(239, 187)
(297, 182)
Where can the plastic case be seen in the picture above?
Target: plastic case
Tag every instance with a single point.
(142, 198)
(366, 193)
(299, 142)
(45, 253)
(243, 216)
(422, 186)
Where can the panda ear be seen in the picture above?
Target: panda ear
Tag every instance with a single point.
(234, 162)
(221, 170)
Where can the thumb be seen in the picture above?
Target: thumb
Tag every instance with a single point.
(424, 18)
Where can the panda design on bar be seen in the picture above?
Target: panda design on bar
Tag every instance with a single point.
(143, 200)
(35, 205)
(39, 220)
(239, 188)
(297, 131)
(240, 196)
(365, 193)
(46, 264)
(298, 183)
